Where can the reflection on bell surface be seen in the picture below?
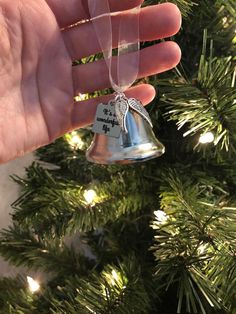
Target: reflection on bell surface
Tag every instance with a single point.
(139, 144)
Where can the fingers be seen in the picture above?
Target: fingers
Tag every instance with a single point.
(68, 12)
(156, 22)
(153, 60)
(84, 111)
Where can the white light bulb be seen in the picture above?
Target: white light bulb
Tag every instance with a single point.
(114, 278)
(89, 196)
(115, 275)
(76, 142)
(80, 97)
(161, 216)
(206, 138)
(33, 284)
(202, 249)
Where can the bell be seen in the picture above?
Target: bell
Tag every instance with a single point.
(136, 145)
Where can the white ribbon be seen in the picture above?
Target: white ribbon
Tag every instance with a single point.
(123, 69)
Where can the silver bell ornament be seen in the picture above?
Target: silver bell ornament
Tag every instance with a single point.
(123, 134)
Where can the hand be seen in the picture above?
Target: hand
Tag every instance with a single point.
(37, 80)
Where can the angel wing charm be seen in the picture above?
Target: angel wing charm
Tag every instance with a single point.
(121, 109)
(137, 106)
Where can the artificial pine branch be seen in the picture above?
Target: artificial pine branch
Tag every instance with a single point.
(189, 238)
(57, 206)
(222, 271)
(116, 290)
(23, 248)
(14, 297)
(206, 103)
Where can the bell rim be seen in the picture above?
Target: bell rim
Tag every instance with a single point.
(125, 159)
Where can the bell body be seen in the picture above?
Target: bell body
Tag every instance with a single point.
(137, 145)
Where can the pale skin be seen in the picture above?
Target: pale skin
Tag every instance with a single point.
(37, 80)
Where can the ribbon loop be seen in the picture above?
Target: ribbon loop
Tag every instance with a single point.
(123, 67)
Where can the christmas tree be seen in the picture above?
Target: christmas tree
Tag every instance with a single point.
(153, 237)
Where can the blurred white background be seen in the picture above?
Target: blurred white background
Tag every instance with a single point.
(9, 192)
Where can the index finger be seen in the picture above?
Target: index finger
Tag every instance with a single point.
(72, 11)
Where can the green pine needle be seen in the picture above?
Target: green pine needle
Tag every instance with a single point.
(189, 233)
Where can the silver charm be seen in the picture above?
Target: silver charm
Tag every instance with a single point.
(121, 109)
(137, 106)
(122, 106)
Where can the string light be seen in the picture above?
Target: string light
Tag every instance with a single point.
(161, 217)
(80, 97)
(116, 279)
(115, 275)
(90, 196)
(202, 249)
(207, 137)
(33, 284)
(75, 141)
